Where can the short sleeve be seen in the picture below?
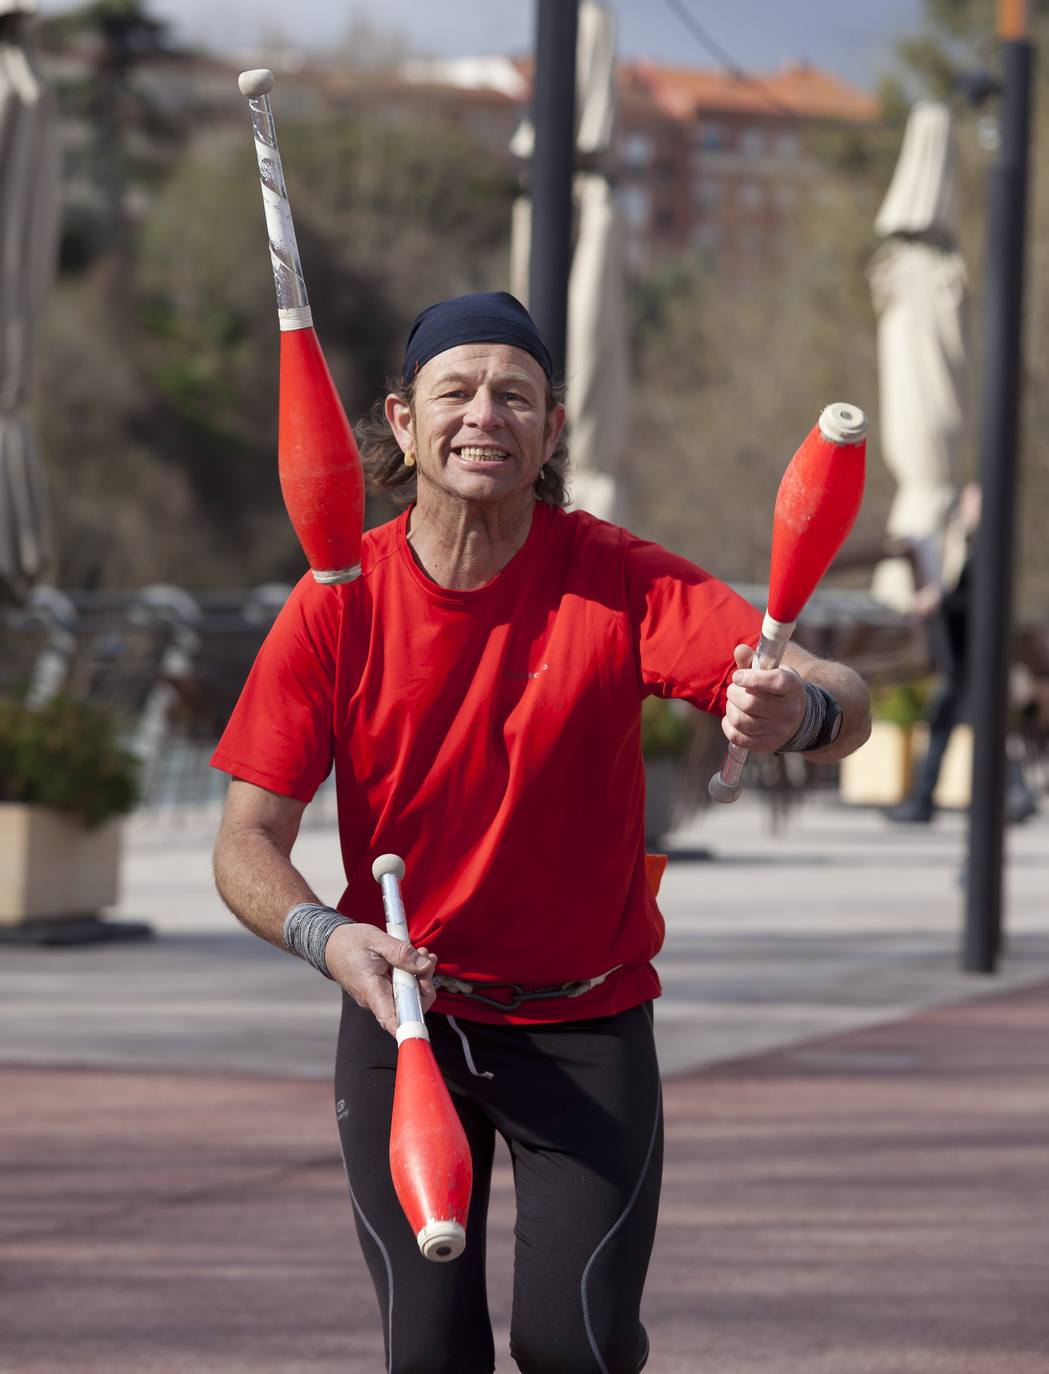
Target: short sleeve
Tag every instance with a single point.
(686, 625)
(280, 734)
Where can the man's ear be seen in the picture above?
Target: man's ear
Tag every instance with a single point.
(399, 417)
(555, 423)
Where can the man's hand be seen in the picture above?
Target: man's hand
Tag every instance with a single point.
(928, 600)
(360, 957)
(764, 706)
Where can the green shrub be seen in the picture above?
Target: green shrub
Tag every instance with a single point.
(666, 730)
(66, 755)
(902, 703)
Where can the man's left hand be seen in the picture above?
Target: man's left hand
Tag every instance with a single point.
(765, 706)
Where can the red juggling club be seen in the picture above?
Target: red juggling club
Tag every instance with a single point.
(816, 507)
(317, 458)
(429, 1153)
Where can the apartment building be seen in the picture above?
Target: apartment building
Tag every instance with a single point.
(716, 163)
(704, 161)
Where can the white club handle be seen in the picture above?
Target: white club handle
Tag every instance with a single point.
(726, 785)
(388, 870)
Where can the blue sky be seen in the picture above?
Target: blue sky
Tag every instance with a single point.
(855, 40)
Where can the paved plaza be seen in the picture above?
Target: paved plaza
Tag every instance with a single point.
(856, 1146)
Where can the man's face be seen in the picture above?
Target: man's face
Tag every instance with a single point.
(479, 424)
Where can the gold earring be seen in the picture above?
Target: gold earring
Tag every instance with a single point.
(409, 458)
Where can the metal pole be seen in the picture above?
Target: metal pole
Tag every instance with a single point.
(999, 445)
(557, 23)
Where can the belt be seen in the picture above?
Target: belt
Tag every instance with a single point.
(516, 992)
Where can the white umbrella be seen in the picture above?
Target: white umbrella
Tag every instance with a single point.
(29, 179)
(597, 364)
(918, 283)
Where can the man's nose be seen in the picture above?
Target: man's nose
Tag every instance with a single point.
(482, 410)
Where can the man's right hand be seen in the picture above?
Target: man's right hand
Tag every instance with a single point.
(360, 956)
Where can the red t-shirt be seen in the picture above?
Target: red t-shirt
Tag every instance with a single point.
(492, 739)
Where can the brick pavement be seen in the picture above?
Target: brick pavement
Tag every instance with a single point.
(868, 1203)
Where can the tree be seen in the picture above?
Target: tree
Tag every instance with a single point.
(179, 371)
(129, 139)
(733, 372)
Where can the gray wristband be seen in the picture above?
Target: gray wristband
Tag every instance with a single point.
(808, 732)
(306, 931)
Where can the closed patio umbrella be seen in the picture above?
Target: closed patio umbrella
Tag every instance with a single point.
(918, 283)
(29, 180)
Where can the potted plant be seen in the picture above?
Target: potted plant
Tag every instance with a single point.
(65, 780)
(879, 772)
(666, 737)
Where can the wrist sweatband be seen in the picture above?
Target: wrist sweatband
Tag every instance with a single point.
(306, 930)
(808, 732)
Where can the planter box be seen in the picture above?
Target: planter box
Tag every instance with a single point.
(954, 785)
(879, 772)
(51, 867)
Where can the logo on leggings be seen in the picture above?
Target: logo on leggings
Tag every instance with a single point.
(342, 1112)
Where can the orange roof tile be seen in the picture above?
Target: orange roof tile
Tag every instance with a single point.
(808, 92)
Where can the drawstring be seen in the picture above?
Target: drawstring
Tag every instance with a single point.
(467, 1052)
(517, 995)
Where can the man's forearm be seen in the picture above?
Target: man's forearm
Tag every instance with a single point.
(850, 692)
(259, 883)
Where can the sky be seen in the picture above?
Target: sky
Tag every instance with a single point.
(851, 39)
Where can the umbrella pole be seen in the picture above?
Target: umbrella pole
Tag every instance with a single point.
(999, 444)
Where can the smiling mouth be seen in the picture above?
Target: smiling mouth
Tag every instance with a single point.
(471, 454)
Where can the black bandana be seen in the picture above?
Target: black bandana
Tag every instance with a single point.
(487, 317)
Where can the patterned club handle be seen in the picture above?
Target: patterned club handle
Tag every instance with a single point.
(293, 306)
(726, 785)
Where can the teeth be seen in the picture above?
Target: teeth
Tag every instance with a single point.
(480, 455)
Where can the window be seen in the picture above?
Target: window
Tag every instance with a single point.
(712, 138)
(710, 193)
(753, 143)
(637, 151)
(750, 195)
(635, 204)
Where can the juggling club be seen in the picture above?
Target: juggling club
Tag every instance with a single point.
(816, 507)
(429, 1153)
(317, 457)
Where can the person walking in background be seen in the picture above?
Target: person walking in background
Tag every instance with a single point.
(946, 609)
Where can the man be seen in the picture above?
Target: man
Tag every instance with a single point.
(479, 692)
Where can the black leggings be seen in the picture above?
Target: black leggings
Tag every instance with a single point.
(579, 1105)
